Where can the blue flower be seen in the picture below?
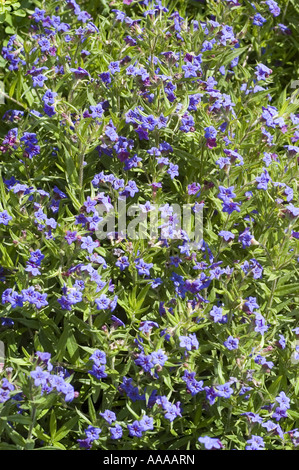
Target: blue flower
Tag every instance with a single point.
(255, 443)
(259, 20)
(231, 343)
(135, 429)
(116, 432)
(210, 443)
(109, 416)
(5, 218)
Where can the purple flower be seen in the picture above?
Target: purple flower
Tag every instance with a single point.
(80, 72)
(83, 16)
(33, 270)
(246, 238)
(292, 210)
(114, 67)
(105, 77)
(146, 326)
(44, 44)
(263, 180)
(122, 263)
(173, 170)
(109, 416)
(210, 443)
(40, 300)
(273, 428)
(273, 7)
(210, 132)
(259, 20)
(131, 188)
(5, 218)
(68, 391)
(102, 302)
(142, 133)
(36, 257)
(89, 205)
(230, 207)
(98, 357)
(193, 188)
(172, 411)
(159, 357)
(92, 433)
(190, 70)
(217, 315)
(29, 294)
(227, 34)
(255, 443)
(283, 400)
(262, 72)
(284, 29)
(110, 132)
(143, 268)
(253, 417)
(145, 362)
(85, 443)
(189, 342)
(194, 386)
(224, 391)
(98, 372)
(51, 223)
(39, 80)
(260, 324)
(4, 395)
(6, 321)
(88, 244)
(97, 111)
(156, 282)
(282, 342)
(279, 413)
(226, 194)
(263, 362)
(116, 432)
(147, 423)
(38, 15)
(228, 236)
(135, 429)
(70, 237)
(40, 376)
(250, 304)
(188, 123)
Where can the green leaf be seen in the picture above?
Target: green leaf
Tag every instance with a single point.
(73, 349)
(15, 437)
(288, 289)
(83, 417)
(274, 387)
(65, 429)
(6, 260)
(71, 173)
(91, 410)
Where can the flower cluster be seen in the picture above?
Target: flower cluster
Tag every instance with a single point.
(44, 376)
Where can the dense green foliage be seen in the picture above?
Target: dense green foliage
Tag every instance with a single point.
(187, 103)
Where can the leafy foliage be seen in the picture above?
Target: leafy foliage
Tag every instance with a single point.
(155, 342)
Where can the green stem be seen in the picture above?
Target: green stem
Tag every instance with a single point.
(11, 99)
